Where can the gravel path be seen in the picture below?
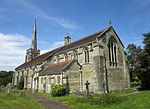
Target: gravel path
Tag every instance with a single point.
(48, 104)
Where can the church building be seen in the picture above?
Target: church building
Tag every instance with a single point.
(98, 58)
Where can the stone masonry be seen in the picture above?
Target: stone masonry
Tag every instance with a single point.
(98, 58)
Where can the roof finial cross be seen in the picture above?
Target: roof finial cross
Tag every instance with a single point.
(110, 23)
(67, 34)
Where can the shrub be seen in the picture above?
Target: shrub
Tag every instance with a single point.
(135, 84)
(58, 90)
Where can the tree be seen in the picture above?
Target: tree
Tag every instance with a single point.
(143, 65)
(139, 62)
(132, 56)
(5, 77)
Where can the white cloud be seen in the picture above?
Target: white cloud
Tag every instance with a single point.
(66, 23)
(12, 50)
(63, 22)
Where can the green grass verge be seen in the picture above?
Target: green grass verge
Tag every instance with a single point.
(16, 101)
(126, 99)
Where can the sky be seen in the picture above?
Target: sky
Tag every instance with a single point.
(57, 18)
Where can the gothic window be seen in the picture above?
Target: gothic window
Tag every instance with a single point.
(55, 80)
(49, 80)
(28, 75)
(91, 47)
(45, 80)
(42, 80)
(57, 58)
(74, 55)
(58, 79)
(112, 48)
(17, 79)
(86, 55)
(65, 57)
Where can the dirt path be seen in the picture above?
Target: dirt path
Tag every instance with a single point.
(48, 104)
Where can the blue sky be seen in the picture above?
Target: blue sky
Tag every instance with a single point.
(56, 18)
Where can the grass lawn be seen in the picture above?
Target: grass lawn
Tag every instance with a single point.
(116, 100)
(16, 101)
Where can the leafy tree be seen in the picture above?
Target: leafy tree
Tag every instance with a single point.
(5, 77)
(139, 62)
(143, 64)
(132, 56)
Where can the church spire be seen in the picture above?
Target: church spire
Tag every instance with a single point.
(32, 52)
(34, 38)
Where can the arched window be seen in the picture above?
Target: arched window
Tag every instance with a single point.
(58, 79)
(57, 58)
(65, 57)
(49, 80)
(74, 55)
(112, 47)
(42, 80)
(86, 55)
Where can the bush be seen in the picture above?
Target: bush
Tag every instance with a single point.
(135, 84)
(58, 90)
(5, 77)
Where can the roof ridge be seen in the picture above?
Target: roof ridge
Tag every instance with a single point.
(88, 36)
(60, 49)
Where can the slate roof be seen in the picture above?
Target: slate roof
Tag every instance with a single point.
(39, 59)
(82, 41)
(56, 68)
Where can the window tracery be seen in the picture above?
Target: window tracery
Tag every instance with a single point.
(112, 49)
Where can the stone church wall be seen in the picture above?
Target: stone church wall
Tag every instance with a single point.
(117, 76)
(97, 71)
(73, 77)
(88, 75)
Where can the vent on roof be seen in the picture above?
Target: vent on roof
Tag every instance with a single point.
(67, 40)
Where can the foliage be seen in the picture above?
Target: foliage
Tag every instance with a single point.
(58, 90)
(139, 62)
(20, 85)
(132, 56)
(5, 77)
(135, 84)
(143, 65)
(126, 99)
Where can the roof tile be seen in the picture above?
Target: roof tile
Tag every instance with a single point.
(55, 68)
(39, 59)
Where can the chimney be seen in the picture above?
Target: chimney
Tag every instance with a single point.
(67, 40)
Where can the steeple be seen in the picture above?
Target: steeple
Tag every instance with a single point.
(32, 52)
(34, 38)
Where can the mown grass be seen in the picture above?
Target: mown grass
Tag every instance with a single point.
(126, 99)
(16, 101)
